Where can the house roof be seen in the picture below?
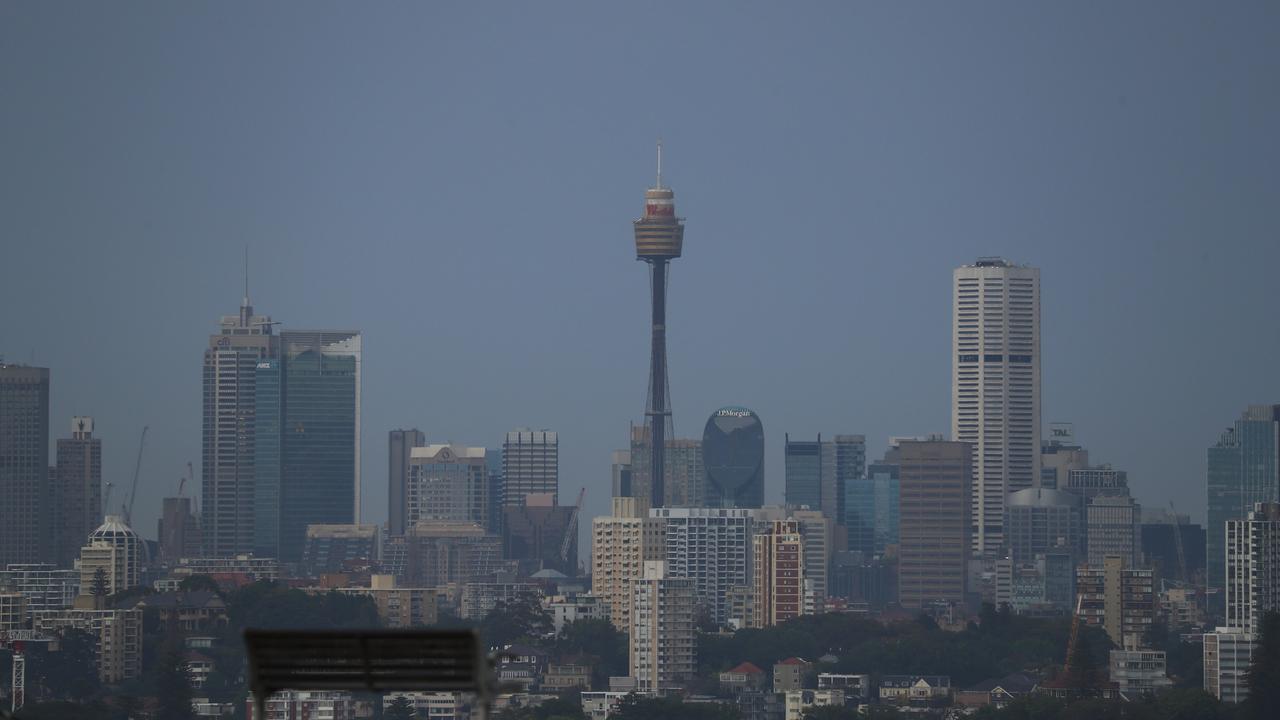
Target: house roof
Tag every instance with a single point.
(747, 668)
(792, 661)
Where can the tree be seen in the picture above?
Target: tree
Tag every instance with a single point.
(197, 583)
(400, 708)
(1264, 672)
(99, 586)
(597, 643)
(173, 685)
(521, 617)
(68, 673)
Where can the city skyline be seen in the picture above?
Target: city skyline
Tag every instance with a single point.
(1116, 249)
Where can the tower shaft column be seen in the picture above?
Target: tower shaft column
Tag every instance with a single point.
(658, 411)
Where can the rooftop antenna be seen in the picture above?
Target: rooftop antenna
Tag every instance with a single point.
(659, 162)
(246, 274)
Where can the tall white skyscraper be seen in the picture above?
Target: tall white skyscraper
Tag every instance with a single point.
(530, 465)
(995, 387)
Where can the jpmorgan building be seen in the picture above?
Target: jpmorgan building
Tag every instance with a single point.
(733, 457)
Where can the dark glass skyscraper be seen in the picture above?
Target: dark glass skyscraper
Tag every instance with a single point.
(308, 439)
(733, 458)
(24, 464)
(77, 493)
(803, 461)
(659, 239)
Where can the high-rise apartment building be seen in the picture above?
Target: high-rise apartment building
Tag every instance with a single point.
(229, 453)
(620, 545)
(995, 395)
(1244, 469)
(733, 458)
(663, 630)
(1253, 568)
(117, 550)
(935, 478)
(530, 465)
(448, 482)
(24, 472)
(76, 508)
(1114, 529)
(1228, 655)
(400, 448)
(621, 473)
(709, 546)
(659, 239)
(1119, 598)
(778, 573)
(308, 439)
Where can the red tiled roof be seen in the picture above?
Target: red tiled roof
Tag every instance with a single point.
(746, 667)
(793, 661)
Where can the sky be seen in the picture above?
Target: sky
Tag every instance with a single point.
(458, 181)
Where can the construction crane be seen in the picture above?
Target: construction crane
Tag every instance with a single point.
(572, 531)
(182, 482)
(1177, 541)
(106, 500)
(137, 468)
(1068, 668)
(16, 641)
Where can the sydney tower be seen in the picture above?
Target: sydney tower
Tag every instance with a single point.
(659, 238)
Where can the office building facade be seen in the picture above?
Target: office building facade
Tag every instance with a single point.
(871, 509)
(1243, 470)
(935, 478)
(25, 511)
(995, 399)
(733, 458)
(450, 483)
(802, 460)
(530, 465)
(1118, 598)
(178, 531)
(76, 506)
(1114, 529)
(400, 445)
(1039, 520)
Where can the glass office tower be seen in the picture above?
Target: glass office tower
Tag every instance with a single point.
(1243, 469)
(733, 458)
(308, 439)
(803, 461)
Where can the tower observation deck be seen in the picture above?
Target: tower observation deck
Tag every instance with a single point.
(659, 239)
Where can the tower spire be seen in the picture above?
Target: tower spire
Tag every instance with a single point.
(659, 163)
(246, 276)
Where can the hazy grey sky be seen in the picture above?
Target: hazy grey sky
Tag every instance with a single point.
(458, 182)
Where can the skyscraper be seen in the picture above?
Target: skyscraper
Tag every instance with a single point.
(659, 239)
(1244, 469)
(400, 447)
(448, 483)
(77, 493)
(733, 458)
(995, 391)
(1114, 528)
(778, 573)
(684, 477)
(530, 465)
(620, 544)
(871, 508)
(307, 406)
(802, 460)
(229, 453)
(1253, 568)
(709, 546)
(24, 468)
(935, 479)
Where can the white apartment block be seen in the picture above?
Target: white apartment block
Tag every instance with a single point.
(1253, 567)
(995, 390)
(1227, 655)
(711, 547)
(663, 631)
(620, 545)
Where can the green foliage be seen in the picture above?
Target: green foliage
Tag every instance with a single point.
(634, 707)
(568, 707)
(173, 685)
(1264, 673)
(98, 587)
(400, 708)
(1171, 705)
(197, 583)
(596, 643)
(520, 618)
(272, 605)
(62, 710)
(69, 673)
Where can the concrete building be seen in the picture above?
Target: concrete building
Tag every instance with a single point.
(1114, 529)
(76, 507)
(13, 611)
(995, 396)
(530, 465)
(1253, 568)
(621, 474)
(229, 457)
(478, 599)
(444, 553)
(710, 547)
(117, 550)
(1243, 469)
(1059, 455)
(778, 574)
(248, 567)
(1139, 672)
(855, 687)
(1038, 521)
(1118, 598)
(1092, 482)
(798, 701)
(339, 548)
(178, 531)
(663, 632)
(571, 609)
(400, 445)
(1228, 653)
(535, 534)
(620, 545)
(118, 650)
(399, 607)
(448, 483)
(306, 705)
(25, 513)
(45, 586)
(935, 478)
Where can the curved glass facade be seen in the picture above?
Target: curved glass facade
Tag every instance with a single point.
(733, 457)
